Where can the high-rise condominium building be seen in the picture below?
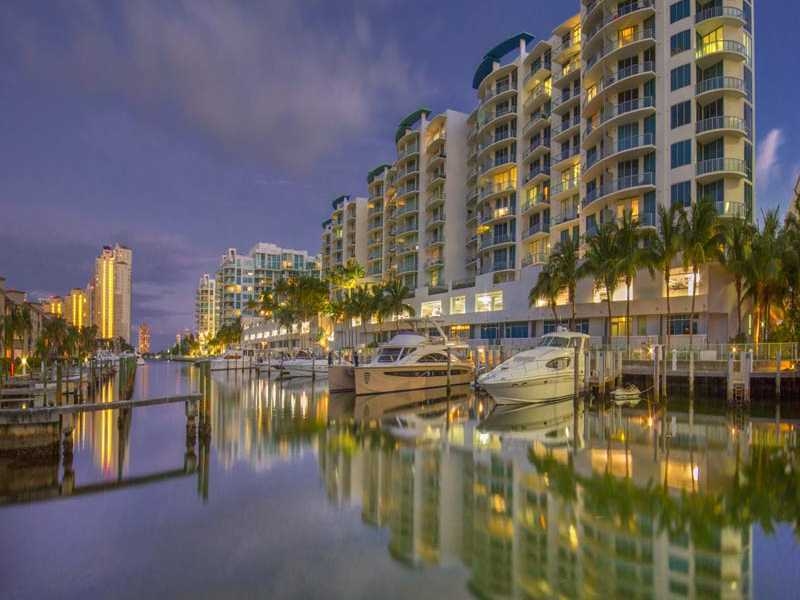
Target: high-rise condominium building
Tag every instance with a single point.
(53, 305)
(143, 345)
(205, 308)
(76, 308)
(241, 278)
(624, 107)
(343, 235)
(111, 304)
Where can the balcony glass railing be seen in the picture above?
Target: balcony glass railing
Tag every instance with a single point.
(619, 184)
(434, 240)
(535, 258)
(567, 153)
(537, 197)
(496, 114)
(722, 83)
(406, 228)
(622, 74)
(489, 239)
(536, 143)
(402, 191)
(625, 8)
(500, 88)
(436, 219)
(540, 227)
(413, 149)
(619, 145)
(719, 11)
(719, 165)
(567, 214)
(560, 128)
(408, 207)
(497, 137)
(723, 122)
(496, 188)
(497, 213)
(727, 208)
(497, 162)
(613, 46)
(537, 170)
(728, 46)
(567, 185)
(612, 111)
(647, 219)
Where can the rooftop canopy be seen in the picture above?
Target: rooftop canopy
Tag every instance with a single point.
(495, 54)
(409, 121)
(337, 202)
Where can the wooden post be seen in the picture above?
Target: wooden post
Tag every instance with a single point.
(656, 367)
(729, 387)
(778, 375)
(747, 368)
(601, 373)
(576, 376)
(587, 372)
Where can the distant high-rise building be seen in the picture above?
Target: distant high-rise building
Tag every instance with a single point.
(53, 305)
(111, 305)
(76, 308)
(205, 308)
(143, 346)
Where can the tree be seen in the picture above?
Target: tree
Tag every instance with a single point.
(55, 343)
(601, 263)
(632, 257)
(734, 256)
(700, 240)
(764, 272)
(565, 259)
(395, 294)
(664, 251)
(546, 288)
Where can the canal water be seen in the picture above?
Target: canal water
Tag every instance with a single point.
(302, 494)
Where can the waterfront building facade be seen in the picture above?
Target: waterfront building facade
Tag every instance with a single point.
(344, 234)
(205, 308)
(53, 305)
(143, 345)
(111, 305)
(76, 308)
(625, 106)
(242, 278)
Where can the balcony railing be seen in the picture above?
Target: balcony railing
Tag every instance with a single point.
(408, 207)
(488, 240)
(540, 227)
(408, 227)
(723, 122)
(437, 219)
(536, 171)
(611, 111)
(613, 16)
(565, 125)
(500, 88)
(497, 162)
(569, 214)
(433, 240)
(715, 165)
(567, 153)
(731, 46)
(643, 34)
(619, 184)
(536, 143)
(537, 66)
(500, 265)
(498, 137)
(496, 188)
(497, 213)
(646, 219)
(402, 191)
(500, 112)
(720, 11)
(620, 145)
(536, 198)
(535, 258)
(408, 150)
(620, 75)
(722, 83)
(565, 186)
(459, 284)
(731, 209)
(538, 116)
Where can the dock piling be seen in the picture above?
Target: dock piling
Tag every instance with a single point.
(778, 375)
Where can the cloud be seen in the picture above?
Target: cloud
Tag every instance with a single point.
(271, 81)
(767, 162)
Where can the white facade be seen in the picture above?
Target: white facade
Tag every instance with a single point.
(205, 308)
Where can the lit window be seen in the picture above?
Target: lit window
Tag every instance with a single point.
(489, 302)
(458, 305)
(431, 309)
(625, 36)
(620, 293)
(681, 283)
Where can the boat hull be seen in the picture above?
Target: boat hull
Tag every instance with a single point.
(383, 379)
(531, 391)
(318, 369)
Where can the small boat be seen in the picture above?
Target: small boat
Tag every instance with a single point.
(229, 361)
(542, 374)
(304, 364)
(410, 361)
(140, 361)
(628, 394)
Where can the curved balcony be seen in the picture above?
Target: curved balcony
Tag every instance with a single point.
(536, 200)
(489, 240)
(713, 88)
(497, 165)
(619, 149)
(407, 209)
(375, 224)
(497, 215)
(436, 240)
(566, 157)
(712, 168)
(496, 142)
(404, 174)
(493, 190)
(566, 50)
(633, 45)
(493, 76)
(632, 14)
(537, 174)
(537, 97)
(534, 258)
(437, 200)
(538, 119)
(727, 208)
(565, 188)
(436, 179)
(709, 53)
(620, 187)
(403, 192)
(537, 147)
(542, 228)
(567, 73)
(563, 102)
(435, 160)
(539, 71)
(408, 150)
(436, 142)
(618, 114)
(570, 214)
(715, 126)
(496, 117)
(499, 92)
(406, 247)
(497, 267)
(409, 267)
(633, 75)
(434, 263)
(713, 17)
(566, 128)
(435, 221)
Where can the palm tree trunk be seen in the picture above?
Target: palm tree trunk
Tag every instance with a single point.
(738, 284)
(608, 329)
(572, 302)
(691, 315)
(669, 321)
(58, 382)
(628, 316)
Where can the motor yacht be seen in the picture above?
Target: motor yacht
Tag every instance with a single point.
(230, 361)
(304, 364)
(542, 374)
(410, 361)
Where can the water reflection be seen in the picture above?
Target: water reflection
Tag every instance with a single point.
(543, 501)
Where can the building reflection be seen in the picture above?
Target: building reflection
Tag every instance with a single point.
(105, 433)
(537, 503)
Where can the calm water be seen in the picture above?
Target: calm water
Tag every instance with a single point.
(300, 494)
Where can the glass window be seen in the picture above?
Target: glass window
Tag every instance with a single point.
(619, 327)
(680, 114)
(680, 42)
(681, 153)
(489, 302)
(517, 330)
(678, 10)
(458, 305)
(681, 282)
(680, 77)
(433, 357)
(626, 35)
(681, 193)
(431, 309)
(679, 325)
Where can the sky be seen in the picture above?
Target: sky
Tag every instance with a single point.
(184, 128)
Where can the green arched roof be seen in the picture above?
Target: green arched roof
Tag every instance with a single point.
(337, 202)
(409, 121)
(495, 54)
(376, 171)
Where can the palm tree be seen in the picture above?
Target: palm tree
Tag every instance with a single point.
(55, 342)
(734, 256)
(633, 257)
(395, 295)
(601, 263)
(335, 310)
(700, 241)
(664, 251)
(763, 274)
(546, 288)
(565, 259)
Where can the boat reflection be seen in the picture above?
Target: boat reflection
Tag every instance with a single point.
(623, 504)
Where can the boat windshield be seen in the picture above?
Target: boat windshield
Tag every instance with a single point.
(390, 354)
(553, 341)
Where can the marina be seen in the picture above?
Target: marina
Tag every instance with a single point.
(434, 493)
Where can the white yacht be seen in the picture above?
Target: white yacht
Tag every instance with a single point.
(542, 374)
(230, 361)
(304, 364)
(410, 361)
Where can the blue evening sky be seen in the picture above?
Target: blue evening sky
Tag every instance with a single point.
(184, 128)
